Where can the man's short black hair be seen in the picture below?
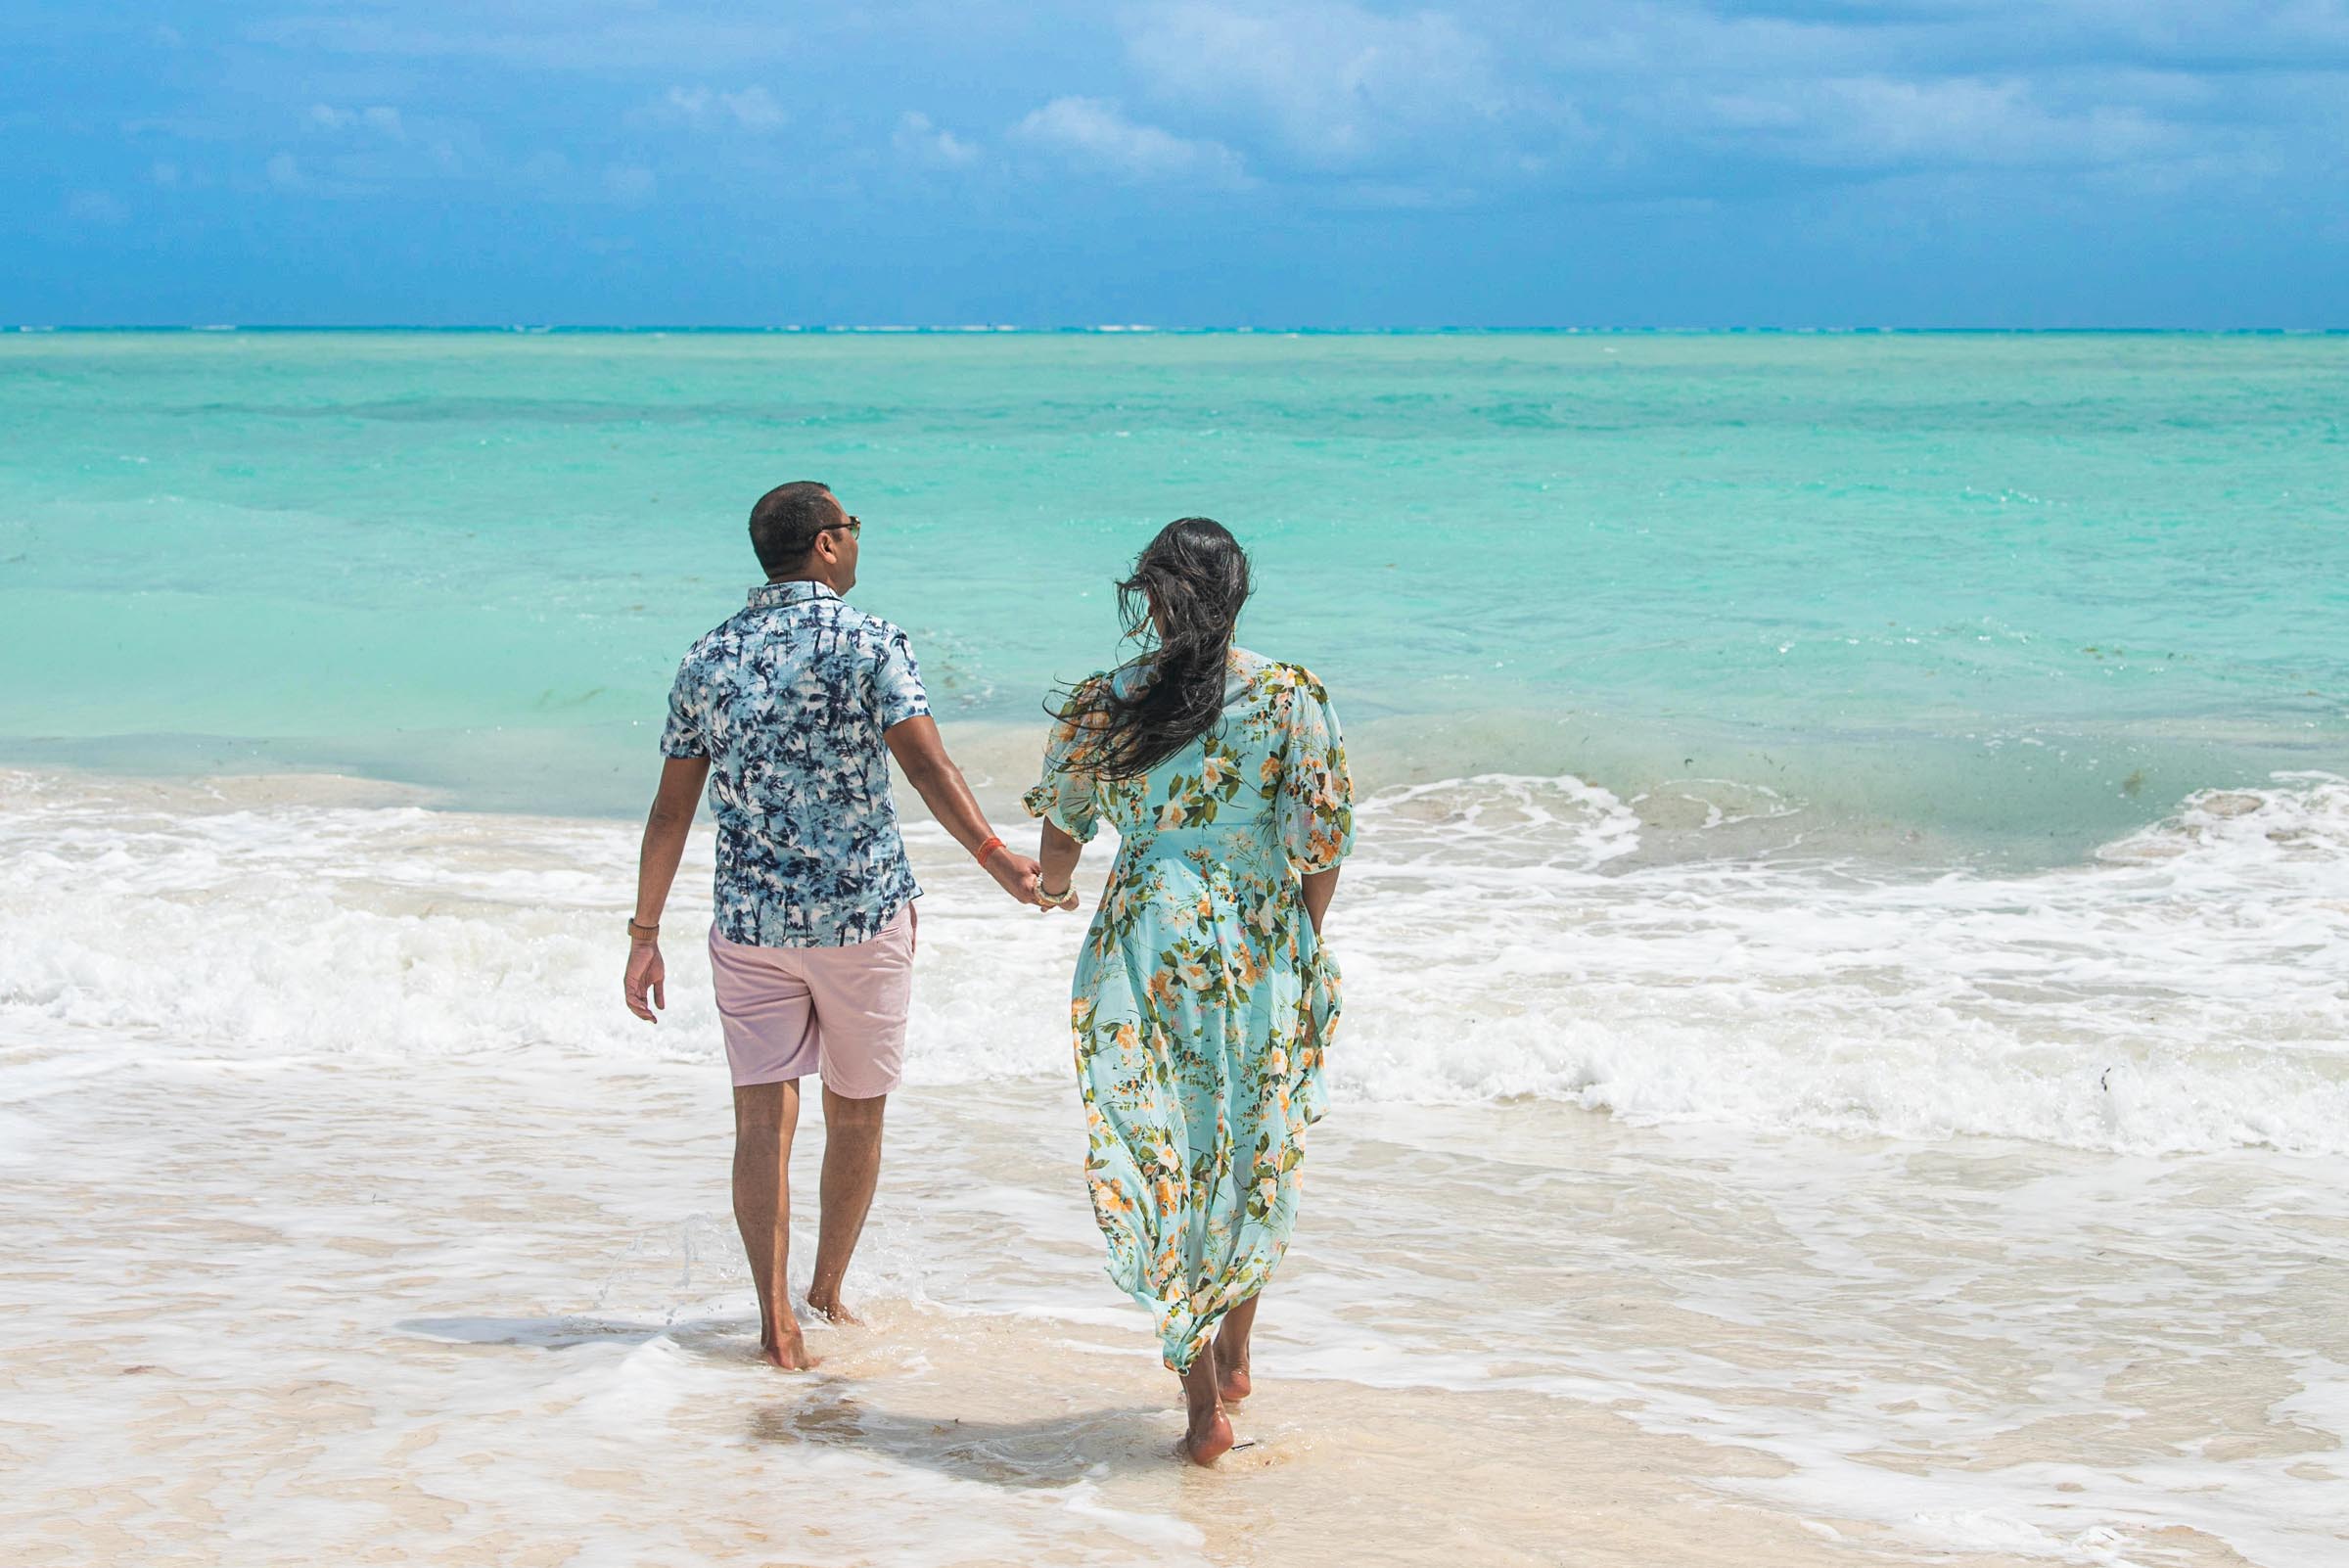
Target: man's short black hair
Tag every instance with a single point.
(786, 520)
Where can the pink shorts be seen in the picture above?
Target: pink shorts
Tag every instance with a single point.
(792, 1011)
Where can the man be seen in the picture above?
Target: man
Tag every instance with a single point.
(790, 710)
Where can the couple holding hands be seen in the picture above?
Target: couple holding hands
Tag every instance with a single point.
(1203, 999)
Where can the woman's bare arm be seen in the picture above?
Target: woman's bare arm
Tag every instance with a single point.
(1058, 854)
(1320, 888)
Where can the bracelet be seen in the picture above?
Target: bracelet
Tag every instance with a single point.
(643, 933)
(979, 853)
(1055, 900)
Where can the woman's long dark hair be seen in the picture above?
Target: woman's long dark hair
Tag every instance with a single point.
(1195, 575)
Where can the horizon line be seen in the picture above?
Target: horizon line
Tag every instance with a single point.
(1138, 329)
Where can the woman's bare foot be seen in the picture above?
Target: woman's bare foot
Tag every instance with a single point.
(1231, 1376)
(1232, 1352)
(784, 1349)
(1208, 1438)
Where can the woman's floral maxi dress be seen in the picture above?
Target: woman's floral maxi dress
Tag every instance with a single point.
(1202, 1002)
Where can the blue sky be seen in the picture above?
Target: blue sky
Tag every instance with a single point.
(1995, 162)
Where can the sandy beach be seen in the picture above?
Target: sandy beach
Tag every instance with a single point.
(324, 1312)
(435, 1264)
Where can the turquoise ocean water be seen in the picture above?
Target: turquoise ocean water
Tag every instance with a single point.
(2016, 590)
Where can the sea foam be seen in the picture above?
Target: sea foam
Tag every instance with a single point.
(2186, 989)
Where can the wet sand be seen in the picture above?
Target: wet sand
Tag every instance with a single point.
(326, 1310)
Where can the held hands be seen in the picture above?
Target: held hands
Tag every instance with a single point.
(1015, 874)
(1021, 877)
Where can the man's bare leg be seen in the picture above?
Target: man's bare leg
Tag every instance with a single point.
(1231, 1350)
(765, 1116)
(852, 1170)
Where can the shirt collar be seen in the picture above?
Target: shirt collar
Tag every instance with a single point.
(775, 595)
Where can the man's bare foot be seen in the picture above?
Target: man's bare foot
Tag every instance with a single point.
(785, 1351)
(832, 1312)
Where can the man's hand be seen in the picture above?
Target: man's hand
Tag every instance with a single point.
(1015, 874)
(644, 978)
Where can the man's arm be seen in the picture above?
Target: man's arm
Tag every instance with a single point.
(921, 754)
(664, 831)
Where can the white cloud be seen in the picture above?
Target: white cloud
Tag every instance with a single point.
(1682, 97)
(98, 208)
(753, 108)
(1400, 103)
(628, 183)
(285, 172)
(1094, 135)
(918, 139)
(379, 118)
(1877, 122)
(591, 36)
(1335, 83)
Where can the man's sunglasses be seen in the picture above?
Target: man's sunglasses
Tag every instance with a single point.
(853, 525)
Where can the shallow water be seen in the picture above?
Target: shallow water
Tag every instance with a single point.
(368, 1221)
(2186, 989)
(496, 1314)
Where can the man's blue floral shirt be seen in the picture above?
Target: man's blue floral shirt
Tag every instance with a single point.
(789, 700)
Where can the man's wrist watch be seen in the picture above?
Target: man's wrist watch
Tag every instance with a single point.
(642, 933)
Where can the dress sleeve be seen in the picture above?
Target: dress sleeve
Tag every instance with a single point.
(684, 734)
(897, 693)
(1315, 810)
(1067, 796)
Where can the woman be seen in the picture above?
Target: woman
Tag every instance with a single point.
(1204, 1000)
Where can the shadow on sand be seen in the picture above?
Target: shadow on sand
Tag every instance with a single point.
(1054, 1450)
(1047, 1452)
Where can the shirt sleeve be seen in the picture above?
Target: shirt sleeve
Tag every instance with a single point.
(1315, 810)
(684, 735)
(897, 693)
(1067, 796)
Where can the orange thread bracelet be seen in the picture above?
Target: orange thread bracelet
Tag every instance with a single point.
(979, 853)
